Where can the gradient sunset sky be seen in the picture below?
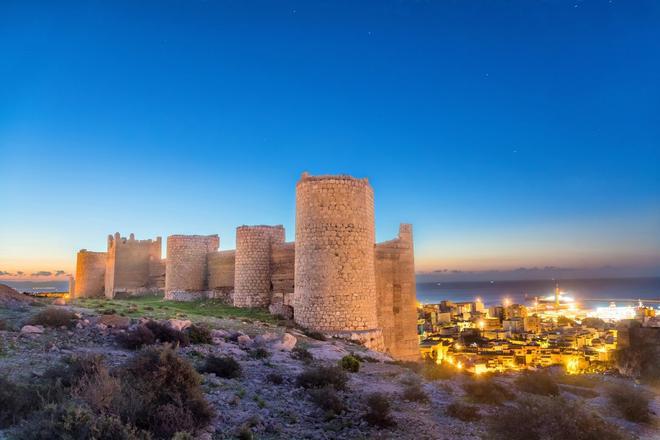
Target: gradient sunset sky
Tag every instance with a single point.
(510, 134)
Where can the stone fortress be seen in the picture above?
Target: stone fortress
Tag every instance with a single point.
(333, 279)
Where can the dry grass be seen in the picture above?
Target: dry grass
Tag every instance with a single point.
(537, 383)
(487, 391)
(222, 366)
(321, 376)
(632, 402)
(379, 411)
(54, 317)
(463, 411)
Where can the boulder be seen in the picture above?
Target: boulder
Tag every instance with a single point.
(179, 324)
(244, 341)
(285, 343)
(59, 302)
(114, 321)
(32, 329)
(266, 338)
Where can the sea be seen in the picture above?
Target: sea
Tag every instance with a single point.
(590, 292)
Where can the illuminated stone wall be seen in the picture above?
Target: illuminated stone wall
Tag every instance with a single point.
(396, 293)
(221, 266)
(133, 266)
(90, 274)
(335, 285)
(186, 269)
(252, 279)
(282, 266)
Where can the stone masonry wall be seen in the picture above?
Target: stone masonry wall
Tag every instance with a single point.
(282, 266)
(396, 292)
(252, 279)
(90, 274)
(221, 271)
(186, 268)
(335, 286)
(129, 265)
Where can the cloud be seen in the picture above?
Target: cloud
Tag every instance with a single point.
(42, 273)
(20, 273)
(2, 272)
(59, 272)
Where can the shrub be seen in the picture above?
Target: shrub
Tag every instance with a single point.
(315, 335)
(17, 401)
(321, 376)
(222, 366)
(464, 412)
(165, 333)
(327, 399)
(54, 317)
(434, 371)
(631, 402)
(487, 391)
(161, 393)
(549, 418)
(75, 422)
(136, 338)
(302, 354)
(350, 363)
(275, 378)
(415, 393)
(199, 334)
(379, 411)
(4, 325)
(537, 383)
(260, 353)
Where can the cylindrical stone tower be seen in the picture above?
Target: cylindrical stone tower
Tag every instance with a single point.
(186, 267)
(252, 279)
(90, 274)
(335, 285)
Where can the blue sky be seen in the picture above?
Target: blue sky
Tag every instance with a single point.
(511, 134)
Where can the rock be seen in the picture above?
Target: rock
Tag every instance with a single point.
(179, 324)
(32, 329)
(114, 321)
(328, 352)
(282, 310)
(59, 302)
(285, 343)
(101, 326)
(224, 334)
(244, 341)
(266, 338)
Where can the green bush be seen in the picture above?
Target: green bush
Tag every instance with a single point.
(260, 353)
(487, 391)
(350, 363)
(464, 412)
(161, 393)
(199, 334)
(302, 354)
(164, 333)
(415, 393)
(379, 411)
(136, 338)
(315, 335)
(321, 376)
(275, 378)
(549, 418)
(222, 366)
(54, 317)
(633, 403)
(537, 383)
(327, 399)
(17, 401)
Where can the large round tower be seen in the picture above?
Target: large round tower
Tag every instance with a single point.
(186, 266)
(90, 274)
(335, 285)
(252, 276)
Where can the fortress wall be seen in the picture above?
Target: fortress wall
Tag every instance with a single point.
(282, 265)
(186, 269)
(90, 274)
(335, 285)
(221, 271)
(252, 279)
(157, 273)
(396, 292)
(129, 265)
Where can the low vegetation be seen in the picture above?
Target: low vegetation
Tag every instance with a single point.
(322, 376)
(379, 410)
(549, 418)
(222, 366)
(487, 391)
(415, 393)
(136, 338)
(164, 333)
(434, 371)
(314, 335)
(302, 354)
(328, 400)
(539, 383)
(54, 317)
(157, 394)
(631, 402)
(260, 353)
(350, 363)
(199, 334)
(463, 411)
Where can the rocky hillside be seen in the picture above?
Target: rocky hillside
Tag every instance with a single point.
(258, 379)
